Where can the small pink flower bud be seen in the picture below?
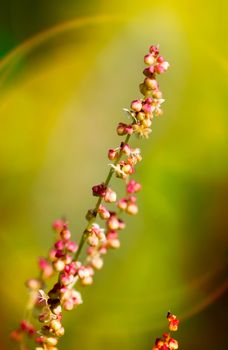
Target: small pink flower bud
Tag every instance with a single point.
(121, 224)
(165, 65)
(110, 196)
(125, 148)
(162, 67)
(132, 209)
(173, 344)
(58, 225)
(59, 245)
(87, 281)
(133, 186)
(97, 262)
(90, 251)
(121, 129)
(132, 199)
(124, 129)
(68, 305)
(60, 254)
(112, 240)
(85, 274)
(149, 71)
(68, 259)
(136, 105)
(154, 50)
(129, 129)
(93, 240)
(151, 83)
(97, 230)
(122, 204)
(65, 234)
(112, 154)
(149, 59)
(103, 249)
(148, 100)
(64, 290)
(52, 254)
(57, 310)
(59, 265)
(103, 212)
(66, 279)
(76, 296)
(113, 223)
(160, 59)
(45, 267)
(71, 268)
(147, 108)
(71, 246)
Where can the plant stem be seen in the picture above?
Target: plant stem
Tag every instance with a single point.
(91, 221)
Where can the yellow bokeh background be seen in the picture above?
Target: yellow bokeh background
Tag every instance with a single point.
(62, 92)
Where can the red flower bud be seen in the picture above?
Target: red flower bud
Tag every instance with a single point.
(112, 154)
(99, 190)
(154, 50)
(133, 186)
(136, 105)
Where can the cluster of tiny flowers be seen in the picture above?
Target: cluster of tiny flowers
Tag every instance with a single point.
(63, 295)
(63, 258)
(143, 110)
(166, 342)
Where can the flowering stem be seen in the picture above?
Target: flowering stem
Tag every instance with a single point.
(64, 254)
(91, 221)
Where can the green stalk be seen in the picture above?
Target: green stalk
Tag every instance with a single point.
(91, 221)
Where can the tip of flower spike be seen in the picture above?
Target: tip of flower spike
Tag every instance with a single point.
(58, 225)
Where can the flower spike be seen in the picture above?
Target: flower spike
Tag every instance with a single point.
(63, 259)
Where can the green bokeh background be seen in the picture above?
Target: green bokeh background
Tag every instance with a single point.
(67, 69)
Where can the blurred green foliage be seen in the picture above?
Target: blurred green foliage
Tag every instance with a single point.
(62, 92)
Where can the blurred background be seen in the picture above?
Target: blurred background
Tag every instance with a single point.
(67, 69)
